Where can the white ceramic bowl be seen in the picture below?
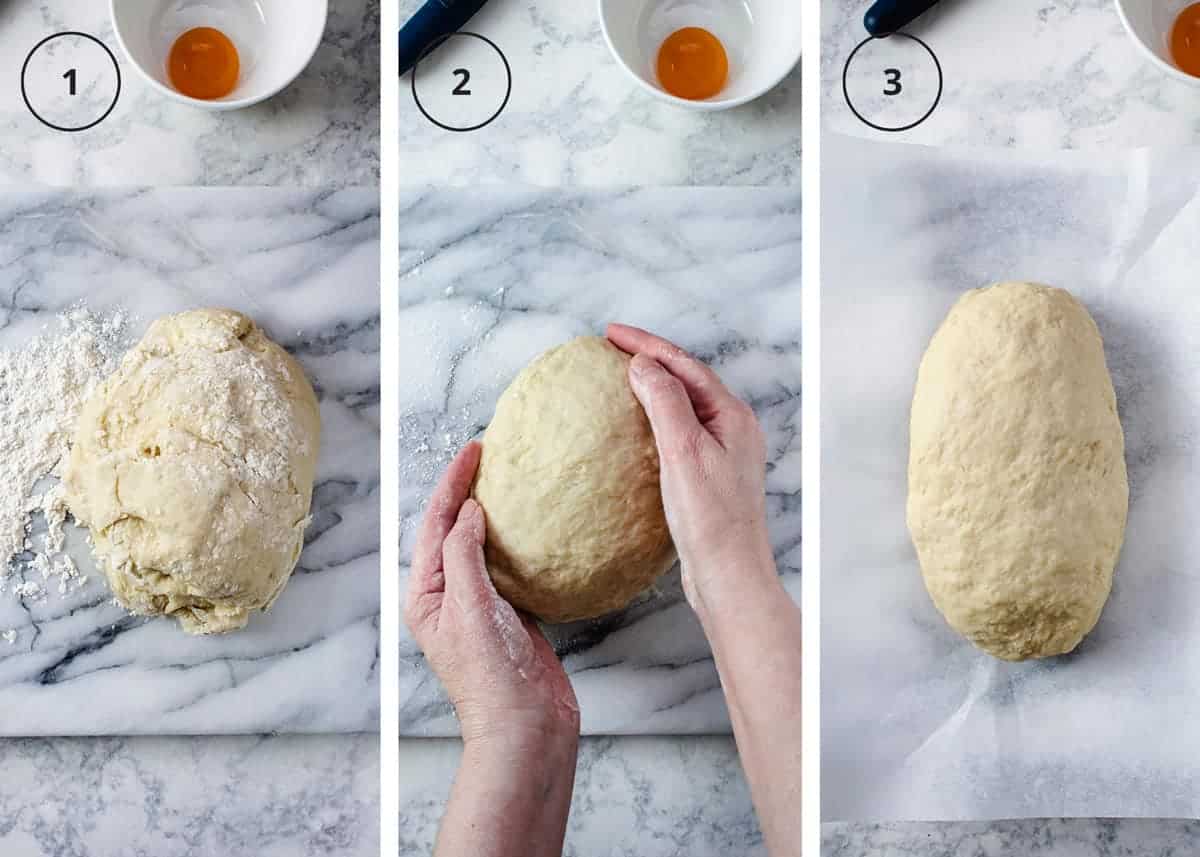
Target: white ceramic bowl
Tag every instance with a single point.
(1149, 23)
(761, 37)
(275, 40)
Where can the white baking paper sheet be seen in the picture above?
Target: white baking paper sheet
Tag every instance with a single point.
(916, 723)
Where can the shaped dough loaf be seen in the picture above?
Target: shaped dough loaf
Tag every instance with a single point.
(569, 484)
(1017, 492)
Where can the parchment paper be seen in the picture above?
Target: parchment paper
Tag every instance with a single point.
(916, 723)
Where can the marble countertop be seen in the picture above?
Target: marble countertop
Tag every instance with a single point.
(575, 118)
(282, 796)
(304, 264)
(1024, 73)
(490, 278)
(1070, 837)
(634, 797)
(323, 130)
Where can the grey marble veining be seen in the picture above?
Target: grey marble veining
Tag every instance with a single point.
(323, 130)
(305, 266)
(916, 723)
(575, 118)
(490, 278)
(1056, 837)
(634, 797)
(1024, 73)
(282, 796)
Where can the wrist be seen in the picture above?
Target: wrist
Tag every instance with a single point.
(543, 755)
(512, 793)
(525, 733)
(733, 587)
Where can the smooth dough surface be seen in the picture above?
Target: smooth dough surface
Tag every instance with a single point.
(1017, 491)
(193, 468)
(569, 484)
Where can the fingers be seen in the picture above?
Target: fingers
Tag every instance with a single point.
(444, 505)
(667, 405)
(427, 578)
(709, 396)
(467, 580)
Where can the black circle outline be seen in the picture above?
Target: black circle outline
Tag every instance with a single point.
(846, 89)
(433, 46)
(111, 56)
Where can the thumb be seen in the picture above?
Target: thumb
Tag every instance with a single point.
(467, 580)
(664, 399)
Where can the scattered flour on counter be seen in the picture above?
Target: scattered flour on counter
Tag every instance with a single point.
(43, 386)
(429, 448)
(30, 589)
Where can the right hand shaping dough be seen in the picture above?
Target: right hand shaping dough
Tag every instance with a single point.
(712, 456)
(712, 461)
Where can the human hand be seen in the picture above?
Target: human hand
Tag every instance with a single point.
(712, 460)
(516, 707)
(500, 672)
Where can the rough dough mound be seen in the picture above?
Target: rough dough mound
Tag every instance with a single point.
(193, 468)
(569, 484)
(1017, 493)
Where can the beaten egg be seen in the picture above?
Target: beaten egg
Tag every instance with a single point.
(1185, 40)
(692, 64)
(204, 64)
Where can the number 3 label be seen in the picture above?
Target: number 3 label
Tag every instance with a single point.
(901, 67)
(894, 87)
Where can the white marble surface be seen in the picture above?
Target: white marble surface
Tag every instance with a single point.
(634, 797)
(490, 278)
(917, 724)
(1055, 837)
(1024, 73)
(321, 131)
(304, 265)
(282, 796)
(575, 118)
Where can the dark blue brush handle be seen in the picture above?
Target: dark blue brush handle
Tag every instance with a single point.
(435, 20)
(888, 16)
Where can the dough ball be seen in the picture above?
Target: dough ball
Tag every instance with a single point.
(193, 468)
(569, 484)
(1017, 493)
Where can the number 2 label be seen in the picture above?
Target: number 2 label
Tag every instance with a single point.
(465, 78)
